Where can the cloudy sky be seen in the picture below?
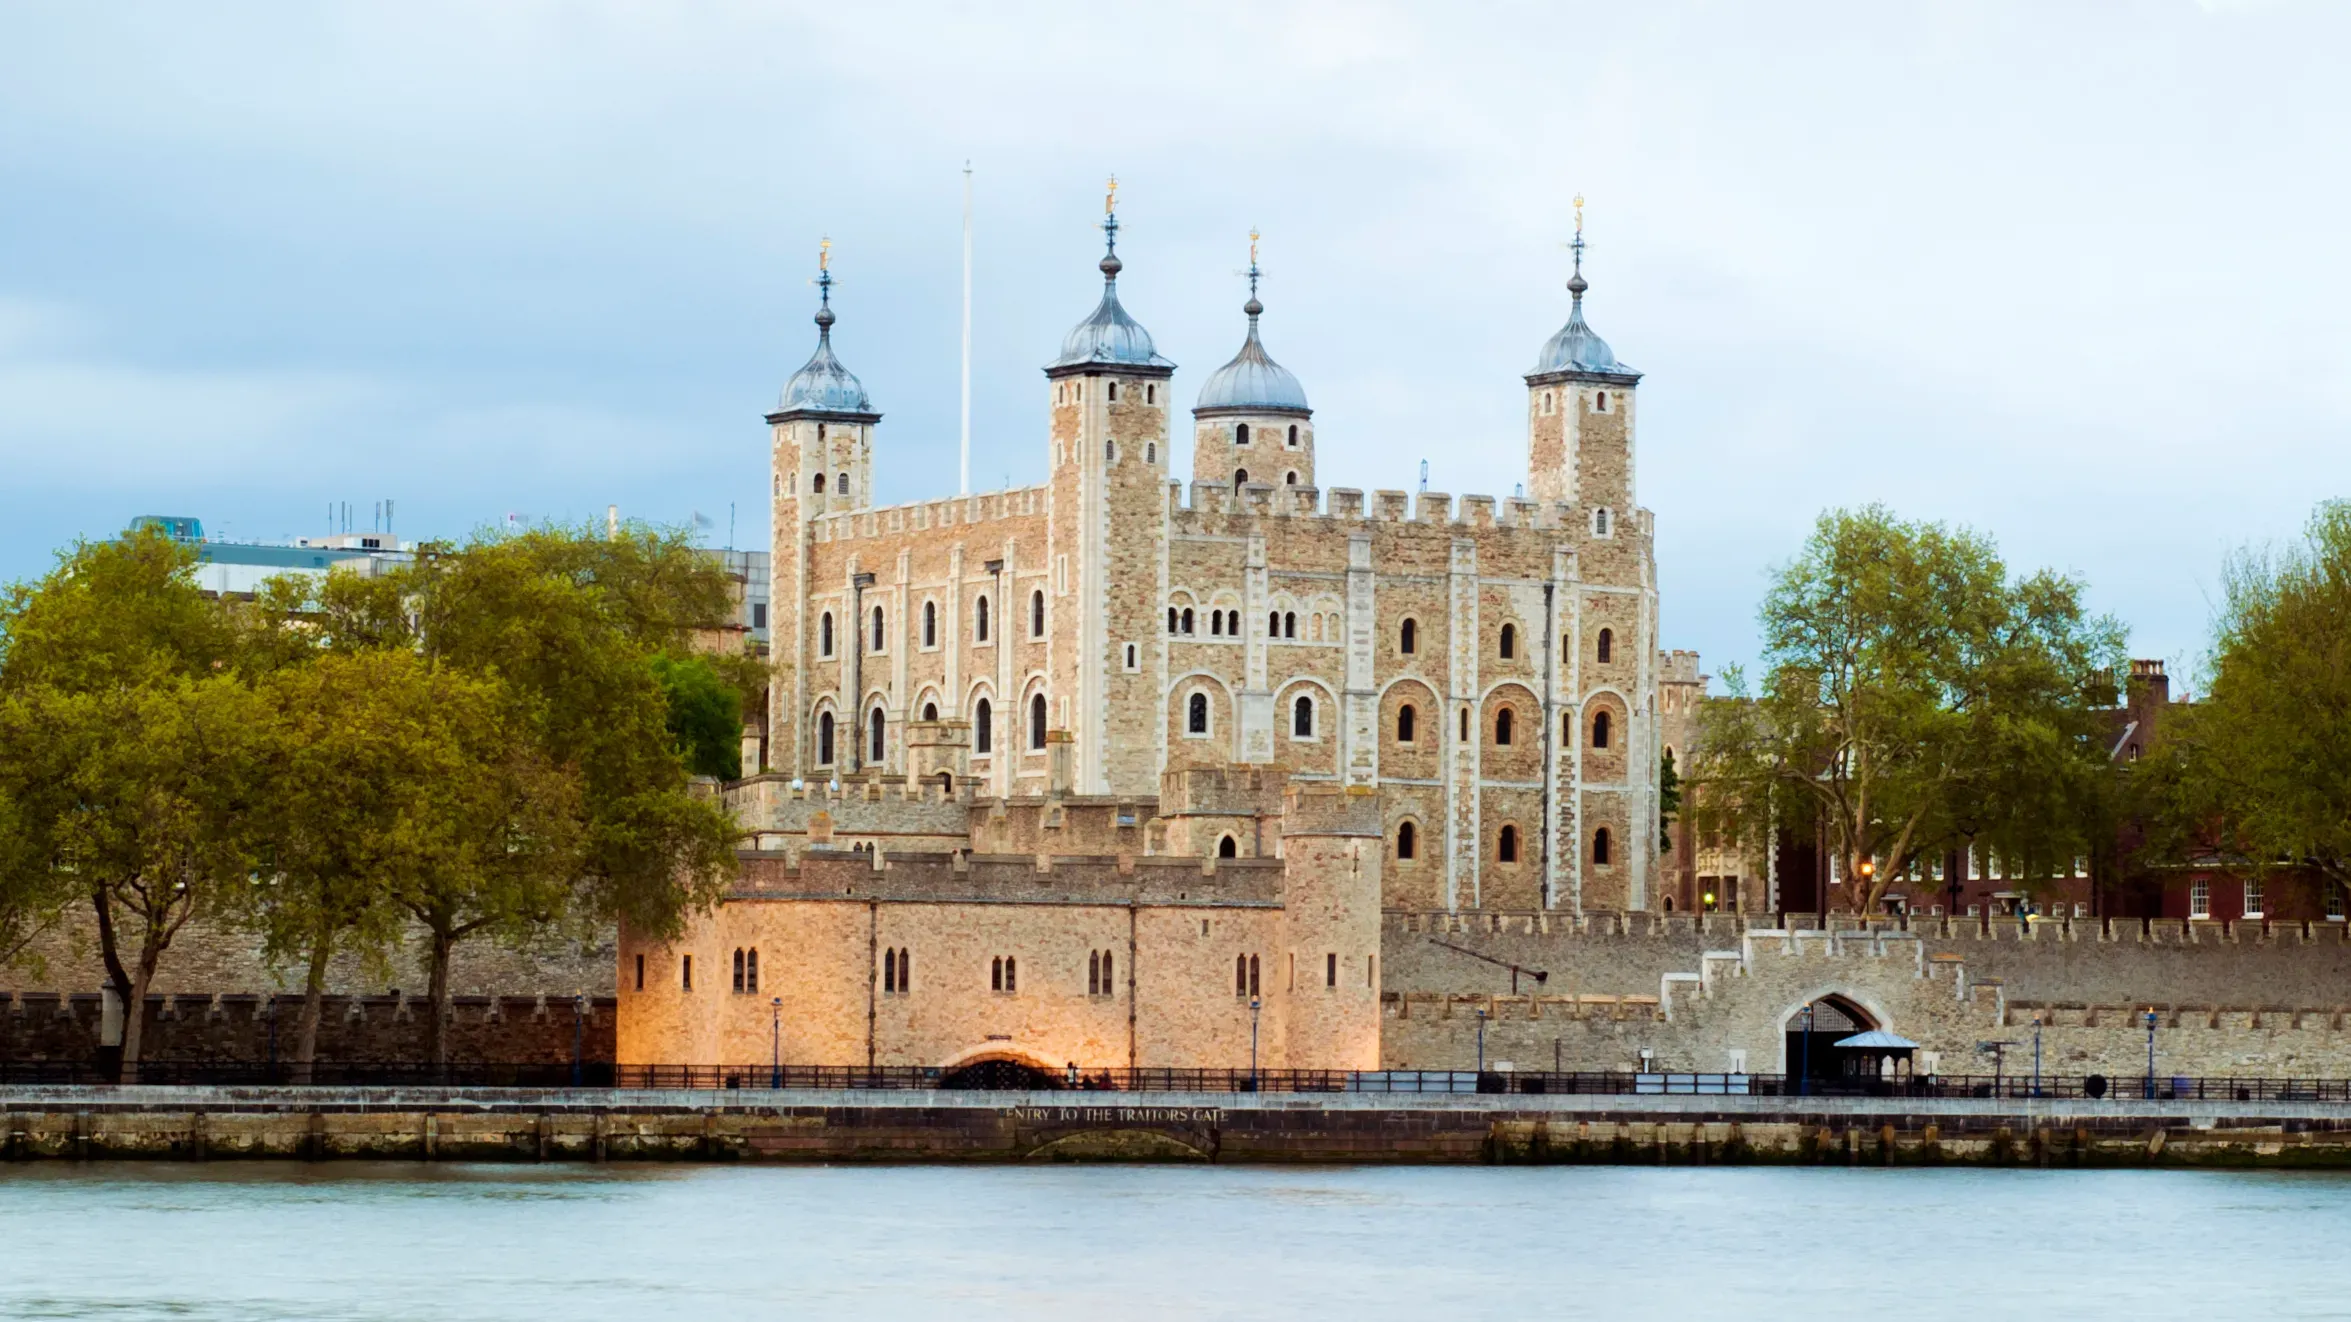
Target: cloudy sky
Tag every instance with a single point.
(2073, 275)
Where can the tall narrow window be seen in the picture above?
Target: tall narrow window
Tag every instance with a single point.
(1171, 619)
(1109, 984)
(1330, 970)
(751, 970)
(1240, 433)
(686, 973)
(1093, 973)
(1567, 729)
(1113, 392)
(996, 974)
(930, 711)
(930, 624)
(889, 972)
(820, 484)
(1600, 402)
(983, 727)
(1037, 614)
(1465, 725)
(1254, 983)
(1196, 714)
(1187, 621)
(905, 971)
(1289, 624)
(874, 736)
(824, 635)
(1240, 479)
(824, 739)
(1293, 435)
(1407, 637)
(1407, 841)
(1506, 845)
(877, 628)
(1600, 730)
(738, 968)
(1509, 641)
(1011, 974)
(640, 973)
(1502, 724)
(980, 620)
(1607, 645)
(1225, 848)
(1240, 975)
(841, 486)
(2255, 905)
(1406, 718)
(1037, 722)
(1600, 846)
(1302, 718)
(1273, 624)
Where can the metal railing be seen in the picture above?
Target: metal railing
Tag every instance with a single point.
(997, 1076)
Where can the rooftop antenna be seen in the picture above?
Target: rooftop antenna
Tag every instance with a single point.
(963, 485)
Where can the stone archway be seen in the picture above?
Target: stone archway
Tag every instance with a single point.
(1001, 1072)
(1812, 1051)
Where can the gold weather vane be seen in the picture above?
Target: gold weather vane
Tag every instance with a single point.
(1579, 215)
(1110, 198)
(1253, 245)
(824, 253)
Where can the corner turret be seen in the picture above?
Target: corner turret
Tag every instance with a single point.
(1252, 423)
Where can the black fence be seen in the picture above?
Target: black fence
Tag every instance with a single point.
(1006, 1076)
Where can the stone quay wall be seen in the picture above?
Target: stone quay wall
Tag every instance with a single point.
(200, 1124)
(47, 1026)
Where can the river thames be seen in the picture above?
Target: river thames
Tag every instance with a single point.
(447, 1243)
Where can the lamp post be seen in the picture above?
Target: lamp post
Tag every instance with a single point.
(2150, 1053)
(1481, 1039)
(579, 1019)
(2036, 1055)
(1804, 1056)
(1254, 1006)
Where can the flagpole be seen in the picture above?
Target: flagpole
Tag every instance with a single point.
(965, 486)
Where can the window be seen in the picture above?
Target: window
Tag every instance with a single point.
(1093, 973)
(1133, 660)
(983, 727)
(1549, 402)
(1011, 974)
(2335, 912)
(874, 736)
(877, 628)
(1196, 714)
(1600, 730)
(1110, 452)
(1037, 614)
(1225, 848)
(1406, 719)
(1600, 402)
(1216, 624)
(1600, 523)
(1290, 478)
(2133, 753)
(1289, 624)
(1302, 718)
(824, 635)
(1506, 845)
(1273, 624)
(1240, 433)
(1465, 725)
(841, 486)
(1502, 723)
(1330, 970)
(1600, 846)
(1240, 975)
(1293, 441)
(1406, 637)
(819, 484)
(1151, 449)
(1607, 645)
(2199, 899)
(686, 973)
(1003, 974)
(824, 739)
(930, 711)
(1151, 394)
(759, 615)
(1114, 392)
(930, 624)
(1509, 641)
(1240, 479)
(640, 973)
(1407, 841)
(979, 616)
(751, 970)
(2253, 899)
(1187, 621)
(738, 968)
(1037, 723)
(1171, 619)
(889, 972)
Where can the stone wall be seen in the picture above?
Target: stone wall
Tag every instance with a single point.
(46, 1026)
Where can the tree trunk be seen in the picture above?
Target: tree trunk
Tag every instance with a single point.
(437, 1035)
(107, 949)
(313, 996)
(134, 1012)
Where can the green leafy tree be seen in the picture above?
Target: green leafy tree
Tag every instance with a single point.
(1913, 695)
(705, 715)
(1669, 801)
(2257, 774)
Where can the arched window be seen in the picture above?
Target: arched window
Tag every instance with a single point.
(1506, 845)
(1093, 973)
(738, 968)
(841, 486)
(905, 971)
(996, 974)
(1289, 624)
(1011, 973)
(1273, 624)
(930, 624)
(1606, 646)
(1151, 448)
(930, 711)
(1254, 984)
(1406, 721)
(1110, 452)
(1037, 614)
(686, 973)
(980, 620)
(1216, 624)
(1600, 402)
(824, 740)
(1600, 730)
(1171, 619)
(1114, 392)
(889, 972)
(1600, 845)
(1225, 848)
(877, 628)
(1196, 714)
(1465, 725)
(1567, 729)
(1240, 433)
(1407, 637)
(820, 484)
(1037, 722)
(1509, 641)
(874, 736)
(1109, 974)
(751, 970)
(1187, 621)
(1240, 975)
(1503, 720)
(983, 728)
(1407, 841)
(1240, 479)
(824, 635)
(1302, 717)
(1293, 435)
(1290, 479)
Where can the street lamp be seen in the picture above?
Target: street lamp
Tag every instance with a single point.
(1804, 1056)
(775, 1077)
(2150, 1053)
(1481, 1040)
(2036, 1055)
(579, 1019)
(1254, 1006)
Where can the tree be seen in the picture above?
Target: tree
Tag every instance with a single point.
(705, 715)
(1914, 695)
(2257, 774)
(1669, 801)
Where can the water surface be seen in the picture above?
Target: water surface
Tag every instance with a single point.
(454, 1243)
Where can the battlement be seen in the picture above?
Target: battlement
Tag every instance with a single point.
(1348, 505)
(923, 515)
(961, 877)
(1324, 808)
(1222, 791)
(1679, 667)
